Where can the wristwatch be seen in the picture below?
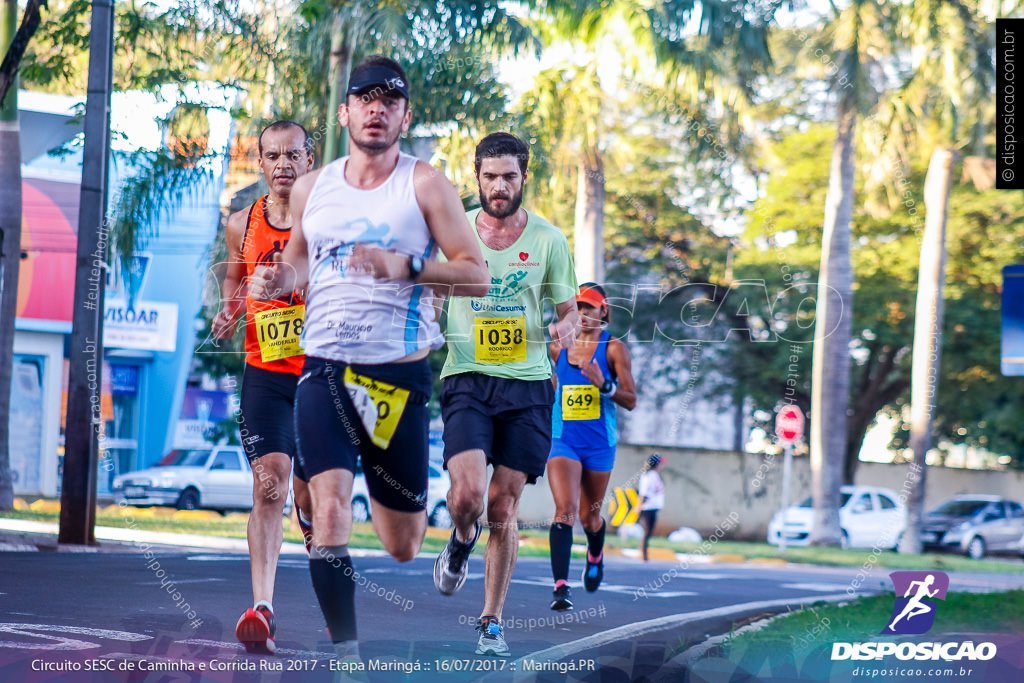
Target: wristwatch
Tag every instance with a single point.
(607, 387)
(415, 267)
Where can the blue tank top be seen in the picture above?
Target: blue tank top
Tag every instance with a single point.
(582, 416)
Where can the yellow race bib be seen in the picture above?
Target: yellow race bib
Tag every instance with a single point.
(500, 340)
(380, 405)
(580, 402)
(278, 331)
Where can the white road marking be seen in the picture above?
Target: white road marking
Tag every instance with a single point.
(239, 648)
(823, 587)
(609, 588)
(704, 577)
(180, 581)
(61, 643)
(18, 548)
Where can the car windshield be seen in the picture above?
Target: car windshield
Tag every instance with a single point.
(190, 459)
(960, 508)
(809, 501)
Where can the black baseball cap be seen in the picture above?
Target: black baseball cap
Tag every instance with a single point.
(378, 77)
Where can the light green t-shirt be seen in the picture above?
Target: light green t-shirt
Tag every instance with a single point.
(503, 333)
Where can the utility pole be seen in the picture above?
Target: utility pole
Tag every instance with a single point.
(85, 381)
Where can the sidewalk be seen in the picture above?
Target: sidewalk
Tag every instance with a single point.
(22, 535)
(27, 535)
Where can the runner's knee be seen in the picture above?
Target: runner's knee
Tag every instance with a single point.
(466, 499)
(591, 520)
(501, 511)
(330, 514)
(402, 549)
(269, 483)
(565, 514)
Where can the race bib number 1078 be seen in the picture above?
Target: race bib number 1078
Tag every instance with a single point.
(278, 331)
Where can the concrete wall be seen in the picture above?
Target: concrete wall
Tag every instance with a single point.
(703, 487)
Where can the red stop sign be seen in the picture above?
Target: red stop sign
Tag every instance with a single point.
(789, 423)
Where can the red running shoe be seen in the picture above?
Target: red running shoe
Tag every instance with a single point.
(255, 630)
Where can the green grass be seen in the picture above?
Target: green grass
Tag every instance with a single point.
(805, 631)
(234, 526)
(836, 557)
(535, 543)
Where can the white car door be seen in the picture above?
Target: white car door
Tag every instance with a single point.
(891, 520)
(1000, 532)
(225, 477)
(862, 523)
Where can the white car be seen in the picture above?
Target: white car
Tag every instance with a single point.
(438, 484)
(869, 516)
(218, 478)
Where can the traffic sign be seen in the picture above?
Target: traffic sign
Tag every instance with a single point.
(789, 424)
(1013, 321)
(625, 507)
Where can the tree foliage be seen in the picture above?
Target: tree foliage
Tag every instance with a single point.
(781, 246)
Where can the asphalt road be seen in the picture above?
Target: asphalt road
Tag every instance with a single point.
(63, 614)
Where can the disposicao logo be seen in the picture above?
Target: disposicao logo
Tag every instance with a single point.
(914, 613)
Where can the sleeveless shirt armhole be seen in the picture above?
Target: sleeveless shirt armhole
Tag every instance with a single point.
(316, 183)
(606, 337)
(248, 222)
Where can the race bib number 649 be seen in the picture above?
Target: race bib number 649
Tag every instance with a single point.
(580, 402)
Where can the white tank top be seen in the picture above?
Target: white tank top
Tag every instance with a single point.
(351, 316)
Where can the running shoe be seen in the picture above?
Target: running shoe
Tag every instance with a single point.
(593, 573)
(348, 664)
(307, 531)
(562, 599)
(255, 629)
(452, 565)
(492, 639)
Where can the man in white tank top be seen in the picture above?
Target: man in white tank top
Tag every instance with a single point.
(365, 239)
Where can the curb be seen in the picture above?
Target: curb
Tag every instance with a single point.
(686, 659)
(672, 669)
(42, 536)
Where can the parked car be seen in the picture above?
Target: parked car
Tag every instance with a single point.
(217, 478)
(360, 496)
(975, 525)
(869, 516)
(438, 484)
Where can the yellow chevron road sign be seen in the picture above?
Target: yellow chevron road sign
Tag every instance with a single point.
(625, 507)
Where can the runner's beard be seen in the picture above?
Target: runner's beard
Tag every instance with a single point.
(511, 206)
(375, 147)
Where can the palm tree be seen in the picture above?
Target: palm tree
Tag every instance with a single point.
(858, 39)
(947, 99)
(717, 61)
(400, 27)
(572, 131)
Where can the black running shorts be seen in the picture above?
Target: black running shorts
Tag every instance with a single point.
(332, 435)
(265, 423)
(508, 419)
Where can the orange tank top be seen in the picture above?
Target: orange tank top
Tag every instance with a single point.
(272, 328)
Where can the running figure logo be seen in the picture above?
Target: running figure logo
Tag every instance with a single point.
(914, 612)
